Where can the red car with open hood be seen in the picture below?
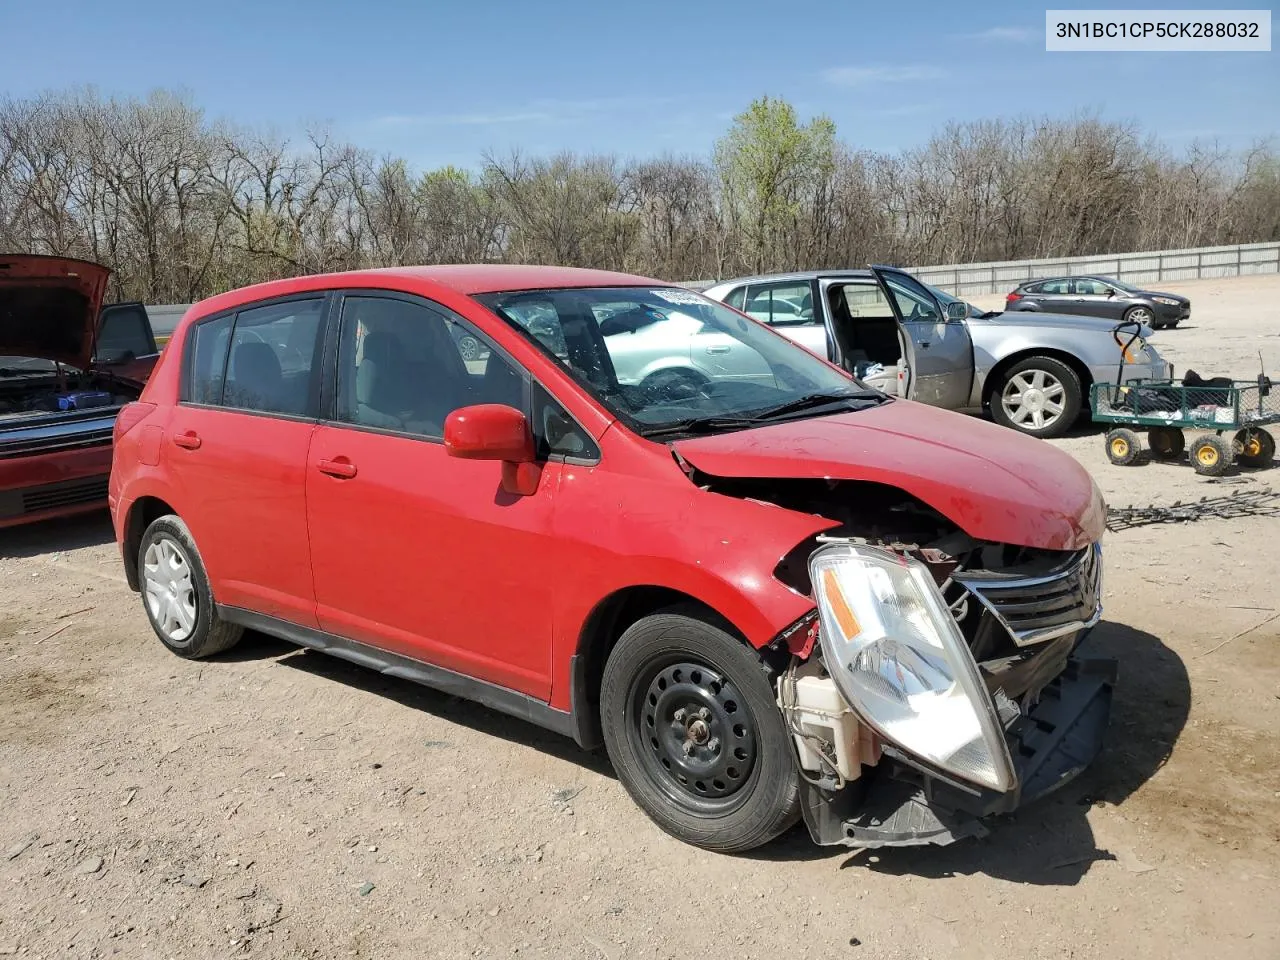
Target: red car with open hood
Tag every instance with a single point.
(67, 365)
(636, 516)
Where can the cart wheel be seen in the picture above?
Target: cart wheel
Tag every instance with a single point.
(1212, 455)
(1167, 443)
(1255, 447)
(1123, 446)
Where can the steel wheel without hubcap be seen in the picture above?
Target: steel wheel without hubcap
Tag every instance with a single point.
(694, 736)
(169, 590)
(1033, 398)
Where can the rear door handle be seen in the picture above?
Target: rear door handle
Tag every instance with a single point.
(719, 349)
(339, 467)
(188, 440)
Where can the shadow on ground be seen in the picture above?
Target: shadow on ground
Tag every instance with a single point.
(53, 536)
(1050, 842)
(469, 714)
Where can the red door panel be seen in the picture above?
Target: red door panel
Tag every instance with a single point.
(424, 555)
(242, 483)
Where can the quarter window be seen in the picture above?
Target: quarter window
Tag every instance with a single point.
(208, 352)
(405, 366)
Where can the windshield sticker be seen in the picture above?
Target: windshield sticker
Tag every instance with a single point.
(679, 296)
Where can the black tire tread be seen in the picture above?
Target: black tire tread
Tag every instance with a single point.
(212, 634)
(1074, 395)
(774, 806)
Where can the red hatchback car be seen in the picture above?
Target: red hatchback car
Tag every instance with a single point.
(620, 510)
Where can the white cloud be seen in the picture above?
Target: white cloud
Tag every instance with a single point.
(1003, 35)
(867, 76)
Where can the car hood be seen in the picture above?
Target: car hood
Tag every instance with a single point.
(995, 484)
(1069, 321)
(49, 307)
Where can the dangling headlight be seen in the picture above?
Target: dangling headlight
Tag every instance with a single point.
(898, 657)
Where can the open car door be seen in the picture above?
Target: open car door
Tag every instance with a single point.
(940, 350)
(124, 344)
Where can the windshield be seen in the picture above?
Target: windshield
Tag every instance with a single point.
(944, 298)
(662, 358)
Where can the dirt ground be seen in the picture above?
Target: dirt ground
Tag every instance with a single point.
(277, 803)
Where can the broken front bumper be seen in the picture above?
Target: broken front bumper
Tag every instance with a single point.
(903, 803)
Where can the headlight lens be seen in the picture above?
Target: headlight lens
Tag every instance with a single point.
(1167, 301)
(898, 657)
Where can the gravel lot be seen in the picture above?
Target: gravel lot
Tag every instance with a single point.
(277, 803)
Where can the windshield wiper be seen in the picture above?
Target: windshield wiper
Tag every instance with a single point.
(698, 425)
(811, 401)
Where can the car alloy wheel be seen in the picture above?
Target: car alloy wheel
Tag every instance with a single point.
(169, 590)
(1139, 315)
(469, 347)
(687, 725)
(1033, 398)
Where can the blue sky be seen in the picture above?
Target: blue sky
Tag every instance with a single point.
(440, 83)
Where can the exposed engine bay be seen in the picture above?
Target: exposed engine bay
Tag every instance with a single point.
(1021, 613)
(27, 395)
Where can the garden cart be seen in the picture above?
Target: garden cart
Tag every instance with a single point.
(1167, 408)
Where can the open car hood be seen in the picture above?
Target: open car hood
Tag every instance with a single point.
(49, 307)
(994, 483)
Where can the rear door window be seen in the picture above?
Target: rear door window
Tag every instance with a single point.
(788, 303)
(264, 359)
(1059, 288)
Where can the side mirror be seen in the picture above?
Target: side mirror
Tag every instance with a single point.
(957, 310)
(494, 431)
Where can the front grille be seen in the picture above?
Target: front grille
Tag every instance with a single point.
(1038, 608)
(50, 496)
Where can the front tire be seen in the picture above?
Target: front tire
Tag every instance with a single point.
(1140, 314)
(1038, 396)
(692, 729)
(176, 593)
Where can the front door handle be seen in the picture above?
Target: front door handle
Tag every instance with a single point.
(339, 467)
(719, 349)
(188, 440)
(924, 344)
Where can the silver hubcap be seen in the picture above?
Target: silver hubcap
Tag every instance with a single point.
(170, 594)
(1033, 398)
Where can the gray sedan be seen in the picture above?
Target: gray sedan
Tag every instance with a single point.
(1032, 372)
(1100, 297)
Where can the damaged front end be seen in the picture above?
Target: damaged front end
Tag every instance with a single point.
(938, 684)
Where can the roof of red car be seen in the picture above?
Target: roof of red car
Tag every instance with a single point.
(462, 278)
(470, 278)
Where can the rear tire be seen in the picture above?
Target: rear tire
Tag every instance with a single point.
(693, 731)
(1256, 447)
(176, 594)
(1212, 455)
(1167, 443)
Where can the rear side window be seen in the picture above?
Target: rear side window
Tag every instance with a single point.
(1059, 287)
(263, 359)
(736, 297)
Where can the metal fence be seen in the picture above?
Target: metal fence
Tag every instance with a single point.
(1145, 268)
